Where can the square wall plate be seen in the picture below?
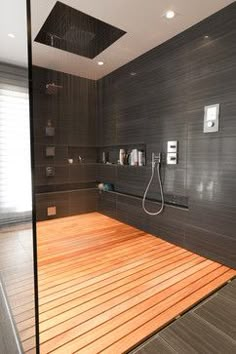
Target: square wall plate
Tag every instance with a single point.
(76, 32)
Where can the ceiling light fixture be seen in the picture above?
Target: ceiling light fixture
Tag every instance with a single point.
(11, 35)
(133, 73)
(100, 63)
(170, 14)
(206, 37)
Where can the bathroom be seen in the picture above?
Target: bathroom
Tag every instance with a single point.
(130, 245)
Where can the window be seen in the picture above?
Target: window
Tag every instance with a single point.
(15, 164)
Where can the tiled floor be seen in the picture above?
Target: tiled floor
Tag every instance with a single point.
(210, 328)
(17, 277)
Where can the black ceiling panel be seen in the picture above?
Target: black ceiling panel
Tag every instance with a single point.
(76, 32)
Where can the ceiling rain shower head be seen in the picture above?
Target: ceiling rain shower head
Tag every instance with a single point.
(73, 31)
(52, 88)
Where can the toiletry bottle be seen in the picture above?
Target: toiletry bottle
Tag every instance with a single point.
(122, 156)
(141, 158)
(134, 159)
(104, 157)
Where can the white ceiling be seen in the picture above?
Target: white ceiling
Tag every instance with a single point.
(13, 20)
(142, 20)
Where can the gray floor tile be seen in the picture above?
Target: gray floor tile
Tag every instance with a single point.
(221, 313)
(7, 339)
(229, 291)
(191, 335)
(155, 345)
(209, 328)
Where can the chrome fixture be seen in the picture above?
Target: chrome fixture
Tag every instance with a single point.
(156, 162)
(211, 118)
(52, 37)
(172, 153)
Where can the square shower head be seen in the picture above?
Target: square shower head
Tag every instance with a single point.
(76, 32)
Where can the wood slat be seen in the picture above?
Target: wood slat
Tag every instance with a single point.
(105, 286)
(168, 315)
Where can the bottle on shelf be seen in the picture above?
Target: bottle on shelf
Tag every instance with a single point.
(122, 155)
(134, 157)
(141, 158)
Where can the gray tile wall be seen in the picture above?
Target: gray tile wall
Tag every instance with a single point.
(165, 101)
(72, 112)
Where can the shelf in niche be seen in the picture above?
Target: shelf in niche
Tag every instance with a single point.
(118, 165)
(66, 164)
(82, 164)
(167, 203)
(82, 146)
(121, 145)
(113, 152)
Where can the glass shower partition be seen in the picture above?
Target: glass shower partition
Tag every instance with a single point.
(18, 298)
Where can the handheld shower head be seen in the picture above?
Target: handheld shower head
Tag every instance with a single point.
(156, 159)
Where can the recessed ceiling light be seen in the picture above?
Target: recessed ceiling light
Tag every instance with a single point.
(11, 35)
(100, 63)
(206, 37)
(133, 73)
(170, 14)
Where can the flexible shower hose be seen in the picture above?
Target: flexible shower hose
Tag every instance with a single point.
(147, 189)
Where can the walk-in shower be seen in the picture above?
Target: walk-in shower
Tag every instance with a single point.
(129, 187)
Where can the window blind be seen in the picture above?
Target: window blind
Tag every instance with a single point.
(15, 164)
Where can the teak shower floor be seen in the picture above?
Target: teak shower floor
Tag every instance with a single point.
(105, 286)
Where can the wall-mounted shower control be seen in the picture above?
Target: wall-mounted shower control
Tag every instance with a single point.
(172, 152)
(50, 151)
(211, 118)
(50, 171)
(50, 131)
(171, 158)
(172, 146)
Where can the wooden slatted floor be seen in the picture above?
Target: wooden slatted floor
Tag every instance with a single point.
(105, 286)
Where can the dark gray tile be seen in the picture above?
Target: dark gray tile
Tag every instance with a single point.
(106, 173)
(210, 245)
(131, 180)
(221, 313)
(229, 291)
(107, 204)
(8, 343)
(82, 201)
(156, 345)
(82, 173)
(193, 335)
(213, 217)
(211, 169)
(129, 210)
